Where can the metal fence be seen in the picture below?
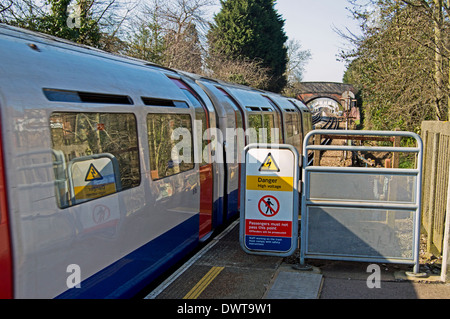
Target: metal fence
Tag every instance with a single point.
(361, 214)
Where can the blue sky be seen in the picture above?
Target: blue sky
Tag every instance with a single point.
(311, 22)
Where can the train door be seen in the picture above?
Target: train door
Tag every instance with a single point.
(305, 120)
(234, 161)
(202, 125)
(275, 120)
(292, 126)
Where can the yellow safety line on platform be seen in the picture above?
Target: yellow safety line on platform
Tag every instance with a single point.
(203, 283)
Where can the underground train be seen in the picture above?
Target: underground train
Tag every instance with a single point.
(112, 169)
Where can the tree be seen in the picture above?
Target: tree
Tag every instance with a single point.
(240, 71)
(168, 33)
(146, 40)
(251, 30)
(297, 59)
(80, 21)
(438, 11)
(393, 64)
(73, 23)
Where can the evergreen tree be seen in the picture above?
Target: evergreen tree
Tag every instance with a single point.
(251, 30)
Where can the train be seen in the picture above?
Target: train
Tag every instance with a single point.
(112, 169)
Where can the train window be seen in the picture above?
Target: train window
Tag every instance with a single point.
(164, 103)
(200, 115)
(292, 124)
(170, 151)
(293, 130)
(273, 133)
(94, 155)
(55, 95)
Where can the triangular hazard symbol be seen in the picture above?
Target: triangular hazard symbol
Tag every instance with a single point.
(93, 174)
(269, 164)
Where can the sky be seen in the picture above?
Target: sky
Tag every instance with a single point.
(311, 22)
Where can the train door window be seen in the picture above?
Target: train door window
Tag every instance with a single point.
(293, 130)
(278, 121)
(255, 124)
(240, 135)
(170, 144)
(273, 132)
(200, 115)
(307, 123)
(94, 155)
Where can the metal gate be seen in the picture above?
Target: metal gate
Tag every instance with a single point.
(360, 213)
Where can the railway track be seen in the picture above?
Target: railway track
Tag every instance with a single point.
(327, 123)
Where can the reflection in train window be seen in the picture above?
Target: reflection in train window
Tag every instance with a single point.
(255, 125)
(200, 115)
(170, 144)
(293, 130)
(105, 143)
(273, 133)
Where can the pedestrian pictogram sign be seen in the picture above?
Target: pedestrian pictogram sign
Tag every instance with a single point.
(93, 174)
(269, 197)
(269, 164)
(269, 206)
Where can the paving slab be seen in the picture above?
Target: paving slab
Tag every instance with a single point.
(295, 285)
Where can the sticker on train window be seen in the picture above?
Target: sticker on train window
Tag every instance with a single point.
(94, 155)
(92, 177)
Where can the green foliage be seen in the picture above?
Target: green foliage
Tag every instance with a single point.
(393, 65)
(66, 19)
(147, 43)
(251, 29)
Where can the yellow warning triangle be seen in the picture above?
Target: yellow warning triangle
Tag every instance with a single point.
(269, 164)
(93, 174)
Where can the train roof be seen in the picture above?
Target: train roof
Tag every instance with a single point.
(34, 62)
(43, 43)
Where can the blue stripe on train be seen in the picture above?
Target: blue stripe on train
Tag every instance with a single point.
(232, 204)
(129, 275)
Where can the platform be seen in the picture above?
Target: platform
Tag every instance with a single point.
(222, 270)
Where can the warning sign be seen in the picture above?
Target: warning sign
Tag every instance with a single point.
(269, 214)
(268, 228)
(269, 164)
(93, 177)
(93, 174)
(273, 183)
(269, 206)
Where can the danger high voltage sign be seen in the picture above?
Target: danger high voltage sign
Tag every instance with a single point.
(269, 214)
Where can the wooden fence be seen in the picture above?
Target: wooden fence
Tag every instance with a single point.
(436, 138)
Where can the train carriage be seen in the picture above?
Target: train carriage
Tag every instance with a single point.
(91, 177)
(112, 168)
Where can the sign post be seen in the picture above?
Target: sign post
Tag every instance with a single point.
(269, 209)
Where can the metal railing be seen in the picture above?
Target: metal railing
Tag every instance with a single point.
(358, 213)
